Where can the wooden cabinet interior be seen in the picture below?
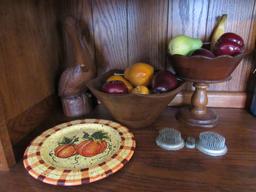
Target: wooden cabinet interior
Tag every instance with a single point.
(122, 32)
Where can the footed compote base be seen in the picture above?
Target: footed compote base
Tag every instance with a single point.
(208, 119)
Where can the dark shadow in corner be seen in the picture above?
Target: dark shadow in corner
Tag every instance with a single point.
(251, 86)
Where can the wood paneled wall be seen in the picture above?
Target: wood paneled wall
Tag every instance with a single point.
(129, 31)
(29, 64)
(29, 56)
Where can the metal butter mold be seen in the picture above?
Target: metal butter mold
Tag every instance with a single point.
(211, 143)
(170, 139)
(190, 142)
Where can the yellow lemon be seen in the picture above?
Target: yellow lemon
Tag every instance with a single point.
(140, 90)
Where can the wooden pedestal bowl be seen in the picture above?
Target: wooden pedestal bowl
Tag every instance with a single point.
(202, 71)
(200, 68)
(132, 110)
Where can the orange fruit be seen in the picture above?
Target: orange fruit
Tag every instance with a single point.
(120, 78)
(140, 90)
(139, 74)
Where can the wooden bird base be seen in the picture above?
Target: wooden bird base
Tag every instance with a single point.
(198, 114)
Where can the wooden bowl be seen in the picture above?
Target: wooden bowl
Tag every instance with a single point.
(133, 110)
(200, 68)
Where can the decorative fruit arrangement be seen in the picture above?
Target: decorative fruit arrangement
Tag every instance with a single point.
(91, 145)
(139, 74)
(121, 78)
(184, 45)
(221, 43)
(140, 79)
(229, 44)
(140, 90)
(164, 81)
(115, 87)
(203, 52)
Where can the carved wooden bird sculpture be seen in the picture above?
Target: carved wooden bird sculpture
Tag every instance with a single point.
(73, 80)
(72, 84)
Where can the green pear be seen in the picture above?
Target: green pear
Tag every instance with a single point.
(184, 45)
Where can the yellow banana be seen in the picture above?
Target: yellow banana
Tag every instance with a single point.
(219, 30)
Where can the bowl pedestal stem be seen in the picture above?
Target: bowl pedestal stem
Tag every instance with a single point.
(198, 114)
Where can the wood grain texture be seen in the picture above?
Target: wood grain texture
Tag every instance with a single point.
(29, 53)
(189, 18)
(110, 32)
(30, 119)
(147, 30)
(6, 151)
(113, 21)
(241, 20)
(74, 79)
(215, 99)
(252, 77)
(153, 169)
(140, 110)
(81, 10)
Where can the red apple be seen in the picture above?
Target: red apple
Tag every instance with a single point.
(115, 87)
(164, 81)
(203, 52)
(229, 44)
(232, 37)
(227, 48)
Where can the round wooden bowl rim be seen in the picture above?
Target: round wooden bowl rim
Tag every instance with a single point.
(154, 95)
(214, 58)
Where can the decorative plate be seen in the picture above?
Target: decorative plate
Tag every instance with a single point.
(79, 152)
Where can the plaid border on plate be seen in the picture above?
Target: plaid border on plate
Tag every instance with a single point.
(46, 173)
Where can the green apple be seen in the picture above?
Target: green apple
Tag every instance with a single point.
(184, 45)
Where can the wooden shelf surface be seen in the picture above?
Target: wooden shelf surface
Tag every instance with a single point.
(153, 169)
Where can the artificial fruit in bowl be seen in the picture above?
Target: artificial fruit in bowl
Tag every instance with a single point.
(164, 81)
(225, 43)
(143, 78)
(141, 90)
(139, 74)
(121, 78)
(184, 45)
(229, 44)
(218, 30)
(232, 37)
(114, 87)
(203, 52)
